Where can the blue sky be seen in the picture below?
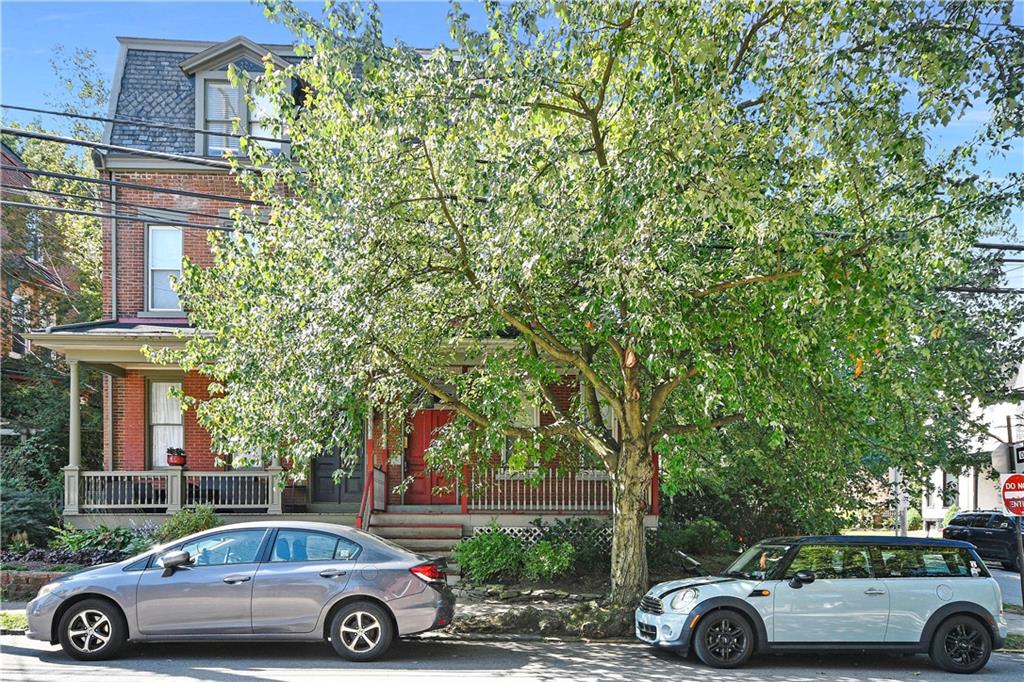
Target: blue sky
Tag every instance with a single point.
(29, 29)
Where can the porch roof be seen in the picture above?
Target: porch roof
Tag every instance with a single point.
(116, 344)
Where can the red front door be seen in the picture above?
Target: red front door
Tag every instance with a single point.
(421, 491)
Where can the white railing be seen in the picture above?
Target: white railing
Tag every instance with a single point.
(547, 490)
(124, 490)
(228, 489)
(170, 489)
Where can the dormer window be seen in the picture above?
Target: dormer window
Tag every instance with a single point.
(223, 106)
(220, 104)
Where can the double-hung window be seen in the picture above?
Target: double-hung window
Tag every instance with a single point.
(223, 106)
(164, 265)
(165, 423)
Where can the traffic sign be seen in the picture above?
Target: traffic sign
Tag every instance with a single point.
(1018, 456)
(1013, 493)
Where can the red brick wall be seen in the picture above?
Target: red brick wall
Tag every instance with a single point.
(131, 236)
(197, 440)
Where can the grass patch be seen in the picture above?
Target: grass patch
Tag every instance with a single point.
(13, 620)
(1015, 642)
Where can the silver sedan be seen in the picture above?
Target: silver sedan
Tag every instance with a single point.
(282, 580)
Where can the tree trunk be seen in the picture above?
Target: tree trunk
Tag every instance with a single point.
(630, 485)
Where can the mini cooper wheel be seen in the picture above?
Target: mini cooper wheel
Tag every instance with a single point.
(361, 631)
(961, 645)
(724, 639)
(92, 630)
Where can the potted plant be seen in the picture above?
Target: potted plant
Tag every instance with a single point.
(176, 457)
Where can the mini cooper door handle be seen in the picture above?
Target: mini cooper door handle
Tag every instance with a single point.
(331, 573)
(236, 578)
(874, 591)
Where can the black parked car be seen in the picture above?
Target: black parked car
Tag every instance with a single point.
(990, 531)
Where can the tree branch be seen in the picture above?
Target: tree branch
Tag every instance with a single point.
(679, 429)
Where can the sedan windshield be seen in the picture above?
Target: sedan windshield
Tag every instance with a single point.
(757, 563)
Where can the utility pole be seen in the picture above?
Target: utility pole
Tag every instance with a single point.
(1017, 519)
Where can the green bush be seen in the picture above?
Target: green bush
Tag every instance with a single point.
(914, 520)
(950, 513)
(101, 537)
(489, 556)
(703, 536)
(589, 537)
(548, 560)
(27, 514)
(186, 522)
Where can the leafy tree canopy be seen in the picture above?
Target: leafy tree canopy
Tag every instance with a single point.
(707, 215)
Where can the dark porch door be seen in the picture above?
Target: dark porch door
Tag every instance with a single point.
(348, 489)
(421, 491)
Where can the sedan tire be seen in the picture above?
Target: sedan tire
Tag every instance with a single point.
(724, 639)
(961, 644)
(92, 630)
(361, 631)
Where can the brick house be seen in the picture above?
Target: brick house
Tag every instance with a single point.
(184, 83)
(35, 280)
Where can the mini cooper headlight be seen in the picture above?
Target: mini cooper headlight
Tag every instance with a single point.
(684, 601)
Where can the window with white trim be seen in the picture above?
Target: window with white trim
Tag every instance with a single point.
(223, 106)
(166, 429)
(164, 253)
(262, 113)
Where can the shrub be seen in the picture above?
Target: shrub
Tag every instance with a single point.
(950, 513)
(28, 514)
(101, 537)
(914, 520)
(186, 522)
(703, 536)
(489, 556)
(589, 537)
(547, 560)
(61, 557)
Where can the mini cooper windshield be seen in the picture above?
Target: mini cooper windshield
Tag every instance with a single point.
(758, 562)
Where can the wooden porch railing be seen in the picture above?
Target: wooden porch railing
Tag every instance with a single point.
(502, 490)
(170, 490)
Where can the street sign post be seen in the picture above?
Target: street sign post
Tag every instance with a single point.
(1012, 489)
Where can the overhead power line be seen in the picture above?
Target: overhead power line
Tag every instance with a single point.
(147, 124)
(116, 202)
(166, 156)
(118, 216)
(131, 185)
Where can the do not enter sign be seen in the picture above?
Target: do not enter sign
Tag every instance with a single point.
(1013, 494)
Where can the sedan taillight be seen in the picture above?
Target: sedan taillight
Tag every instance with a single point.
(429, 572)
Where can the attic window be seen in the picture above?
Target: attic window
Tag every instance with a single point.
(223, 105)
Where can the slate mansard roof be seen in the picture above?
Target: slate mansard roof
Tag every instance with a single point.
(155, 82)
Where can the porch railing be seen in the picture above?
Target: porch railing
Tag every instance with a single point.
(546, 490)
(169, 490)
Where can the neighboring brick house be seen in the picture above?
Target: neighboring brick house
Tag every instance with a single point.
(33, 289)
(184, 83)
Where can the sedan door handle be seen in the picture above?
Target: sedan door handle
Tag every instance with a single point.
(237, 578)
(331, 573)
(874, 591)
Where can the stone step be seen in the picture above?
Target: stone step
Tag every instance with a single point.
(431, 546)
(416, 518)
(447, 531)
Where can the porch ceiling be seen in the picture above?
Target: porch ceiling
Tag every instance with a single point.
(114, 343)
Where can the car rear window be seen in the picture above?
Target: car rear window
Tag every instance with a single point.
(980, 521)
(928, 562)
(961, 520)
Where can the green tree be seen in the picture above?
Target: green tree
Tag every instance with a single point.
(708, 215)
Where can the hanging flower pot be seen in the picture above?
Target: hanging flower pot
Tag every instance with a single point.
(176, 457)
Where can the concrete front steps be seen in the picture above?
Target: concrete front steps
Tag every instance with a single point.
(430, 534)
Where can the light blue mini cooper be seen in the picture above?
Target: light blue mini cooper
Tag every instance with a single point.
(834, 593)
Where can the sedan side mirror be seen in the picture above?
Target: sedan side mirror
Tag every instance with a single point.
(801, 578)
(174, 560)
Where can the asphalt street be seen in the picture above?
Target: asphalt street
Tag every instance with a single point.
(25, 660)
(1009, 585)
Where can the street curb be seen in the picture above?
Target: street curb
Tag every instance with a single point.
(9, 631)
(517, 637)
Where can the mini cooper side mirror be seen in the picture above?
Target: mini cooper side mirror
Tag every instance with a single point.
(174, 560)
(801, 578)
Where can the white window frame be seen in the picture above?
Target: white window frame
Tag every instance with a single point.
(240, 105)
(158, 460)
(202, 139)
(150, 228)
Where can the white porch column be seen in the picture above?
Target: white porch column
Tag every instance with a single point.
(274, 493)
(71, 471)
